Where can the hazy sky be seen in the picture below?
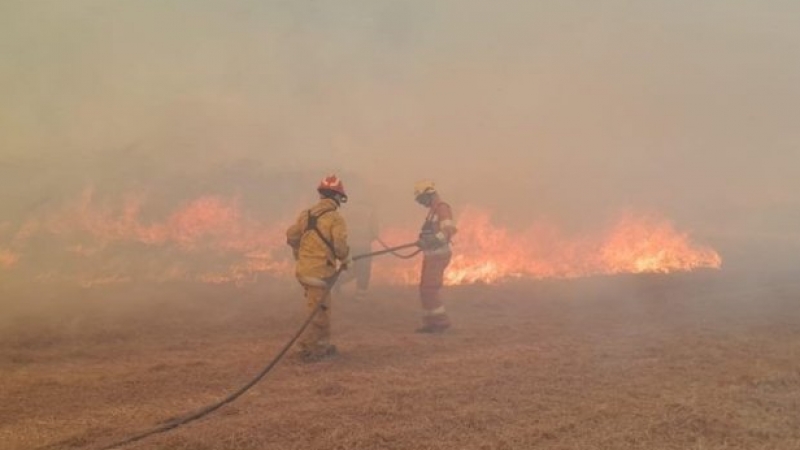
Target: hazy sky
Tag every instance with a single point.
(542, 107)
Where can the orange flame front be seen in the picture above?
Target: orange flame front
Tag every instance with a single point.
(212, 239)
(209, 239)
(484, 252)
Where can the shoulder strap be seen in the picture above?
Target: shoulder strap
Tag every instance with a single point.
(312, 225)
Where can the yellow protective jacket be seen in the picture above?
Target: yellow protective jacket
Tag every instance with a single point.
(315, 259)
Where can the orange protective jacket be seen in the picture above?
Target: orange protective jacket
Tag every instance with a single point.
(315, 258)
(441, 223)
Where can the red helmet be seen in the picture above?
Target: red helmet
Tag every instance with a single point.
(332, 183)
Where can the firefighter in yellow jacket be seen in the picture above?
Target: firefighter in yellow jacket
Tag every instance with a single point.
(319, 241)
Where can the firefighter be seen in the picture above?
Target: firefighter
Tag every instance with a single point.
(434, 240)
(319, 242)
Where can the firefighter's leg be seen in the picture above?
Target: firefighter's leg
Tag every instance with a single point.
(431, 281)
(316, 338)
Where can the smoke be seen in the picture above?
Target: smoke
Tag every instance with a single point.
(569, 111)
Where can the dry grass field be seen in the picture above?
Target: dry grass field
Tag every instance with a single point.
(693, 361)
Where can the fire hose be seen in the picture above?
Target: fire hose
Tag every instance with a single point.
(393, 250)
(175, 423)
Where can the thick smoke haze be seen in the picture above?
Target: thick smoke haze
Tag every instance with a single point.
(570, 111)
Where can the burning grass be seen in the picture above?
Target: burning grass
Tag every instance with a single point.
(216, 240)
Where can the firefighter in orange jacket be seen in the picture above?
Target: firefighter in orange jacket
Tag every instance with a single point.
(437, 231)
(319, 241)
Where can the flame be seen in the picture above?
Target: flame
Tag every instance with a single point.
(647, 245)
(206, 222)
(485, 252)
(213, 239)
(208, 239)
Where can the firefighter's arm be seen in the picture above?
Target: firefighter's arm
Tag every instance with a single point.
(294, 233)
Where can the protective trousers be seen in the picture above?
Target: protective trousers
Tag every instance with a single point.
(317, 335)
(431, 281)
